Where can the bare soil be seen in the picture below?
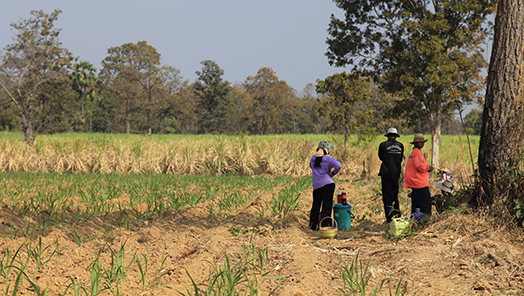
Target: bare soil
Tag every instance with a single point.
(462, 254)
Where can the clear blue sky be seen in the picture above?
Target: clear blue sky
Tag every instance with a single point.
(241, 36)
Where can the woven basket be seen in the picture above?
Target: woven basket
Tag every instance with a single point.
(329, 231)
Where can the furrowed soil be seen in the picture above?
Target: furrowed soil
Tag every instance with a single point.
(461, 254)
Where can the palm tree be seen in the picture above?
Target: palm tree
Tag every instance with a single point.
(84, 82)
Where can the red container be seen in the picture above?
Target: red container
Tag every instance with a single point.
(341, 196)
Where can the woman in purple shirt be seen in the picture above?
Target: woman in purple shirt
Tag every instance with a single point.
(323, 167)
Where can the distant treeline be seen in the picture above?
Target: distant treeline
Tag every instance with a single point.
(45, 89)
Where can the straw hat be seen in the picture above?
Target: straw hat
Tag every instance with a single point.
(392, 131)
(417, 138)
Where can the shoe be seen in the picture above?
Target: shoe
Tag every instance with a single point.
(386, 222)
(313, 228)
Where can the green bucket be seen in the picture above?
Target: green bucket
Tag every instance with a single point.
(343, 215)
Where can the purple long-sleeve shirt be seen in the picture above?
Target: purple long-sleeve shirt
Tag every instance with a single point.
(320, 174)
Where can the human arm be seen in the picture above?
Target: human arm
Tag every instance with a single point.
(420, 163)
(334, 166)
(381, 152)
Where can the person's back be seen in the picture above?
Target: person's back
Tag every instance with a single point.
(391, 153)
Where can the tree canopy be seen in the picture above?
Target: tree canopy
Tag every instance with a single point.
(341, 105)
(270, 101)
(213, 92)
(32, 70)
(429, 53)
(131, 71)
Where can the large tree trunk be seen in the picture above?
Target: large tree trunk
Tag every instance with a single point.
(128, 118)
(161, 119)
(149, 123)
(435, 142)
(502, 117)
(27, 127)
(82, 97)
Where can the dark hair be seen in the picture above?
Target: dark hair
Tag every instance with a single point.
(318, 159)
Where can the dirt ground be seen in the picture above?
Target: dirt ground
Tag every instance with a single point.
(462, 254)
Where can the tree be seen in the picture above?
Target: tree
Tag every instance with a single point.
(237, 119)
(32, 67)
(426, 52)
(85, 81)
(344, 93)
(473, 121)
(131, 71)
(171, 97)
(304, 115)
(271, 101)
(8, 113)
(502, 118)
(213, 93)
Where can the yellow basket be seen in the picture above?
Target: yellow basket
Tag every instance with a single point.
(329, 231)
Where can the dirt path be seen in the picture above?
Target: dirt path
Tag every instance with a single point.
(457, 255)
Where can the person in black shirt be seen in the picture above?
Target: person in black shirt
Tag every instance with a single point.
(391, 153)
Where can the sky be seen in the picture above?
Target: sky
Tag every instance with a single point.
(241, 36)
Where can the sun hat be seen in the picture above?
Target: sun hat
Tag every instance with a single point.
(418, 138)
(325, 144)
(392, 131)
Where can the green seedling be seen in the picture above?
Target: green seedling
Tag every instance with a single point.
(143, 269)
(78, 238)
(40, 254)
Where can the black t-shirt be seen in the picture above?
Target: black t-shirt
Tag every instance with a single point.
(391, 154)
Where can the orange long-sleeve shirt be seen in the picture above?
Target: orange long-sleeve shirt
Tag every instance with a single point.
(416, 170)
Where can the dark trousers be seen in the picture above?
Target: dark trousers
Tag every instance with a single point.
(421, 198)
(390, 197)
(322, 198)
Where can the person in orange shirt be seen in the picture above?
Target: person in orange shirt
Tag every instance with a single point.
(417, 177)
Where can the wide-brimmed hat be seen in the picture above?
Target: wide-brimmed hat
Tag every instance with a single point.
(393, 132)
(325, 144)
(417, 138)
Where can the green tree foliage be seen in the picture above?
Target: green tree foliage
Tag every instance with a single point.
(8, 119)
(381, 117)
(237, 119)
(212, 92)
(104, 113)
(427, 52)
(85, 82)
(131, 72)
(171, 97)
(271, 99)
(342, 104)
(34, 70)
(473, 122)
(304, 112)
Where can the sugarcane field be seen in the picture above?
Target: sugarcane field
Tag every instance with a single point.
(159, 216)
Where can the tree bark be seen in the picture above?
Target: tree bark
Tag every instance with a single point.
(502, 116)
(128, 118)
(161, 119)
(27, 128)
(435, 142)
